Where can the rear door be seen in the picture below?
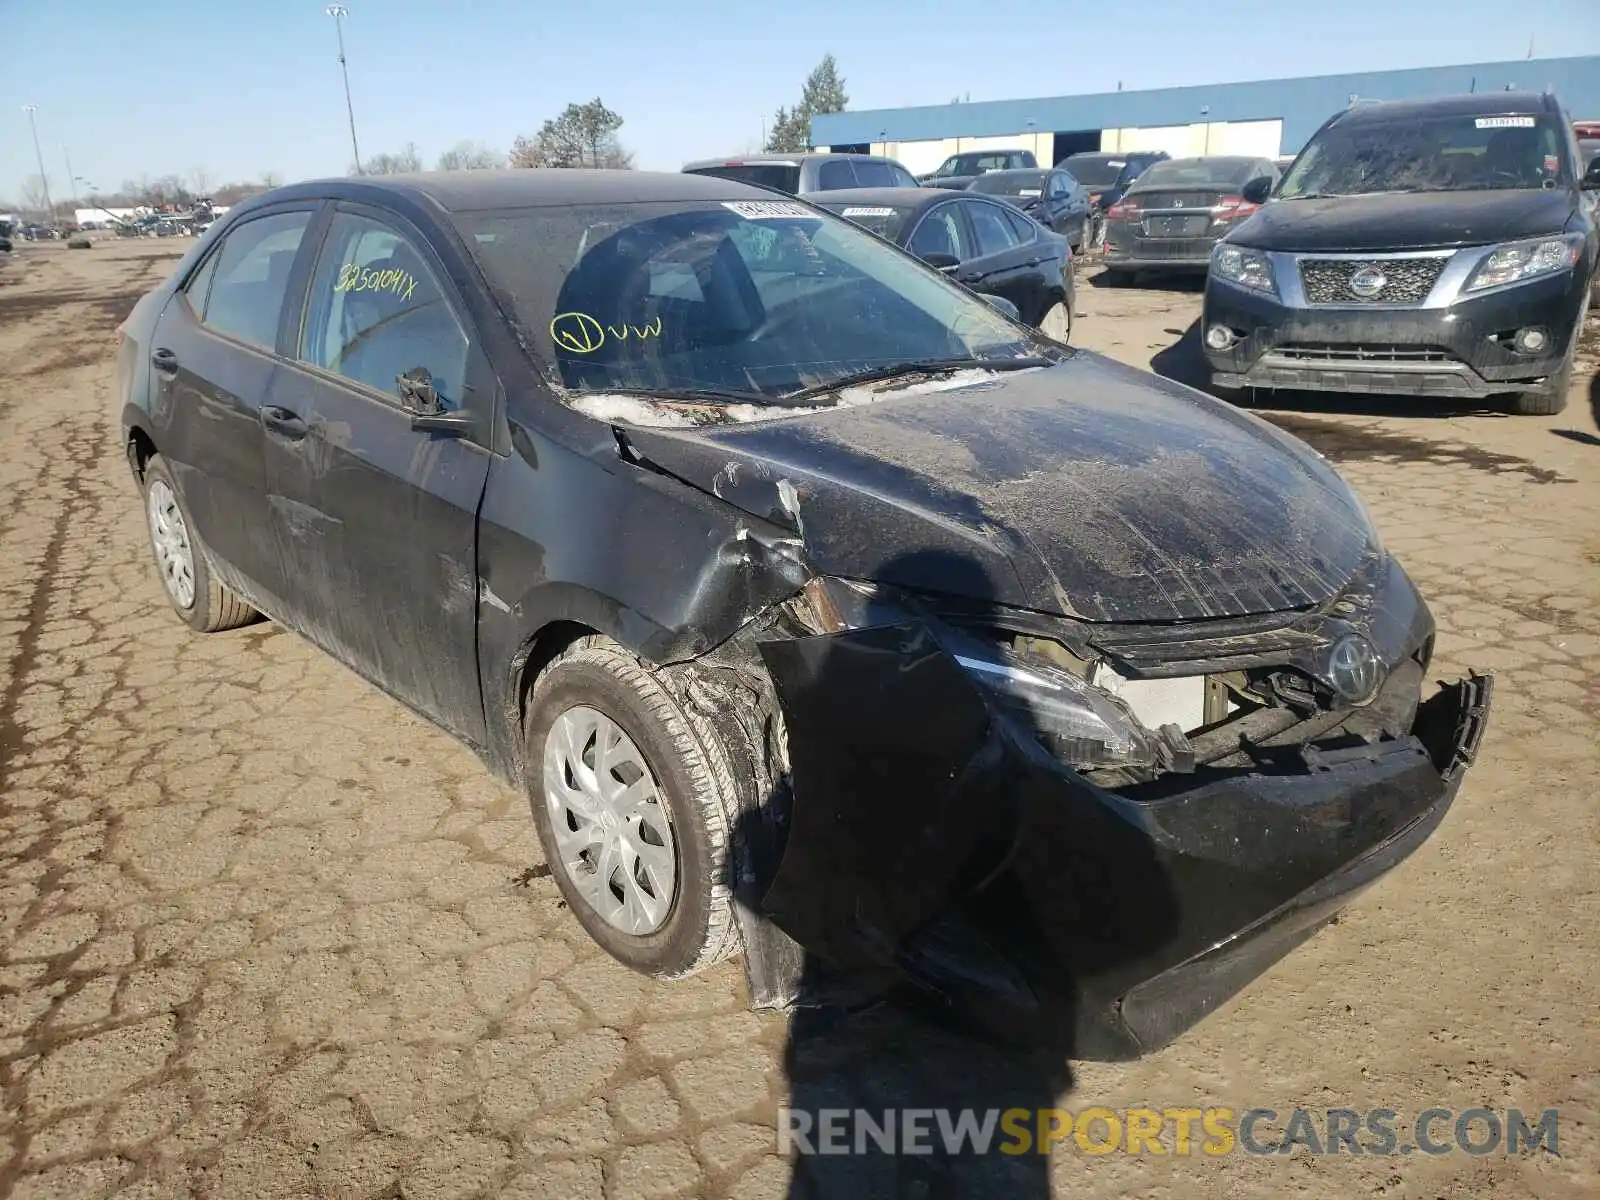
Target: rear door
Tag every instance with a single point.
(212, 364)
(377, 520)
(1003, 263)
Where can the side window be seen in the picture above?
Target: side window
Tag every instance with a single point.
(873, 174)
(199, 285)
(1058, 187)
(994, 231)
(377, 312)
(1022, 226)
(902, 177)
(941, 232)
(251, 277)
(834, 174)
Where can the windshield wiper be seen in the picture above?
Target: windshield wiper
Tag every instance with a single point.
(687, 395)
(926, 366)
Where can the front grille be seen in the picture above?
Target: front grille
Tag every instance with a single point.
(1388, 280)
(1314, 352)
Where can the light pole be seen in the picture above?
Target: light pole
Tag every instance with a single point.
(44, 181)
(339, 12)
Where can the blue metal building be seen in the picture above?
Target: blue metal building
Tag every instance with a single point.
(1272, 117)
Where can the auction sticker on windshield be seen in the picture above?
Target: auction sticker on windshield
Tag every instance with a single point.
(867, 212)
(1504, 122)
(756, 210)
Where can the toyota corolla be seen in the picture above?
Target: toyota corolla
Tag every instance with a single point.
(822, 612)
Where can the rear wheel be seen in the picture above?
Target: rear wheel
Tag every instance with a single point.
(1057, 323)
(202, 602)
(633, 799)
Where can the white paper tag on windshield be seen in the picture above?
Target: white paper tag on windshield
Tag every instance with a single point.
(1504, 122)
(867, 212)
(1028, 191)
(1117, 162)
(757, 210)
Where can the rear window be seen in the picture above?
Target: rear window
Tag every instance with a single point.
(882, 219)
(1199, 172)
(870, 173)
(1097, 171)
(783, 176)
(1010, 183)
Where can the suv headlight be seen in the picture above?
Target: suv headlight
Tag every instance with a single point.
(1247, 268)
(1516, 262)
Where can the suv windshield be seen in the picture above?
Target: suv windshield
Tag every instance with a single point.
(783, 176)
(753, 299)
(1429, 154)
(1095, 171)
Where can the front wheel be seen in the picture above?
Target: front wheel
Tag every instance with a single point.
(1553, 398)
(633, 799)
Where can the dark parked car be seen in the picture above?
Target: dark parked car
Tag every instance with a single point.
(1178, 210)
(1051, 197)
(985, 244)
(1430, 247)
(798, 173)
(818, 608)
(1107, 176)
(959, 170)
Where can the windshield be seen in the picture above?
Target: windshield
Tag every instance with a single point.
(783, 176)
(1010, 183)
(1095, 171)
(882, 219)
(754, 299)
(1199, 172)
(1428, 154)
(973, 164)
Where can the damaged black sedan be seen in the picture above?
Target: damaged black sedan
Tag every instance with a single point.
(823, 612)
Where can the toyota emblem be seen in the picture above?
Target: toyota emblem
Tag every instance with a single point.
(1367, 281)
(1354, 669)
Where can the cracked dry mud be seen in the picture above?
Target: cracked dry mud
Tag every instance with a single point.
(266, 934)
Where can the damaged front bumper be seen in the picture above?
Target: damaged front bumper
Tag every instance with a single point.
(933, 843)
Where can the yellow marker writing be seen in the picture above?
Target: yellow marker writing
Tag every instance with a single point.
(579, 333)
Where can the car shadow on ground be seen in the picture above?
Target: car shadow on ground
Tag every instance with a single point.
(1183, 282)
(1185, 362)
(1009, 861)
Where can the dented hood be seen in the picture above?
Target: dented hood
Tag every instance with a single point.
(1085, 489)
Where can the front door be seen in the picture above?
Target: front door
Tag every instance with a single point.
(211, 364)
(1005, 264)
(376, 520)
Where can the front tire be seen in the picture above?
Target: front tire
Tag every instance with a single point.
(1056, 324)
(633, 799)
(1554, 398)
(199, 600)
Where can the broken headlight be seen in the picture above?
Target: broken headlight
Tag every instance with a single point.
(1082, 725)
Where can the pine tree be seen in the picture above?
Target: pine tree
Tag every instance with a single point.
(823, 93)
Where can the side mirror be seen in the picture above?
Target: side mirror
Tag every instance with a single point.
(1001, 305)
(942, 262)
(428, 414)
(1257, 190)
(1591, 177)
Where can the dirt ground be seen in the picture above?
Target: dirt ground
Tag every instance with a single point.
(266, 934)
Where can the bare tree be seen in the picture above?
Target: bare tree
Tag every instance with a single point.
(403, 163)
(200, 181)
(584, 135)
(471, 156)
(33, 194)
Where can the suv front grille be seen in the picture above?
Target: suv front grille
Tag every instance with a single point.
(1386, 280)
(1314, 352)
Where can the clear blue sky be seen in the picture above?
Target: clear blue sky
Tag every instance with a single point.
(238, 88)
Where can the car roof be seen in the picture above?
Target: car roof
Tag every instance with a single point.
(1240, 159)
(1013, 171)
(881, 197)
(786, 160)
(1473, 104)
(470, 191)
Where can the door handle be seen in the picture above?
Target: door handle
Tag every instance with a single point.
(164, 360)
(281, 420)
